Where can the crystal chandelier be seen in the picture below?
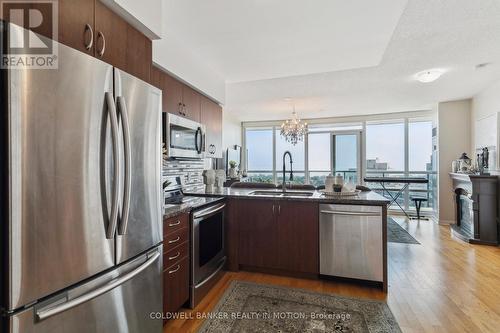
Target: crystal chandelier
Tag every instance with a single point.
(293, 130)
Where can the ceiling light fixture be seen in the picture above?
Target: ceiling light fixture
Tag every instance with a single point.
(294, 130)
(429, 75)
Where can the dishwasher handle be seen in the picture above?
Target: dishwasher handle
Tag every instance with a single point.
(347, 213)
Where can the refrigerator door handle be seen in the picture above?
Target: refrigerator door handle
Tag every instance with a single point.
(52, 311)
(113, 219)
(123, 114)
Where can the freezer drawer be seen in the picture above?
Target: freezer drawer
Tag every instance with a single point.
(351, 242)
(128, 307)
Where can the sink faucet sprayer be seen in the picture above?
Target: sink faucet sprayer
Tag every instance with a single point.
(284, 169)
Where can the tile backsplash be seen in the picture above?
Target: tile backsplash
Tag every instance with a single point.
(190, 171)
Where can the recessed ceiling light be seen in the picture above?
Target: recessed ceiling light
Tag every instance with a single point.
(429, 75)
(482, 65)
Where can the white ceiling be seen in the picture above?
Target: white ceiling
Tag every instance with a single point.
(338, 58)
(263, 39)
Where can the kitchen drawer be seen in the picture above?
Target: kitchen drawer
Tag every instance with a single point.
(174, 255)
(175, 223)
(176, 238)
(176, 286)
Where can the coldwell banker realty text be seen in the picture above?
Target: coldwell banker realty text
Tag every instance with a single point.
(28, 32)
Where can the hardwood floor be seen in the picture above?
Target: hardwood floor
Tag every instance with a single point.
(442, 285)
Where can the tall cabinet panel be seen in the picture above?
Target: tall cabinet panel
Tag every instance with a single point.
(211, 117)
(139, 54)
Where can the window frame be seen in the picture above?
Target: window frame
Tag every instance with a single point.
(335, 124)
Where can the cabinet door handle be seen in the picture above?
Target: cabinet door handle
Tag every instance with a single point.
(175, 270)
(174, 224)
(279, 209)
(175, 257)
(88, 28)
(273, 209)
(174, 240)
(103, 48)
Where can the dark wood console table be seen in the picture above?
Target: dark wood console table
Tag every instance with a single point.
(476, 198)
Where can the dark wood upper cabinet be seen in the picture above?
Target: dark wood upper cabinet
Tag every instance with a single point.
(156, 77)
(76, 24)
(211, 117)
(191, 103)
(258, 238)
(138, 54)
(172, 94)
(298, 236)
(110, 36)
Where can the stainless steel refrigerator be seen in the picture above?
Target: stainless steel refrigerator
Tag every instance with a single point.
(81, 199)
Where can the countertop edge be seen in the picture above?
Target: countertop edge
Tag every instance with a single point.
(324, 200)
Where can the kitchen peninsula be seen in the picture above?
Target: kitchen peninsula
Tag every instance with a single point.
(306, 234)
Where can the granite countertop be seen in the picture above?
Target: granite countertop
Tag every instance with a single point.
(189, 203)
(363, 198)
(174, 210)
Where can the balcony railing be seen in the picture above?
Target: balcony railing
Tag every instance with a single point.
(316, 178)
(428, 191)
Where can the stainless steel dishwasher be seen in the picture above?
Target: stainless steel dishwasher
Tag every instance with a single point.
(351, 241)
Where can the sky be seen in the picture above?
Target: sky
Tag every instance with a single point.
(383, 141)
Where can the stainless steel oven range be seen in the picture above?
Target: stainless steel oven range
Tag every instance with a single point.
(207, 249)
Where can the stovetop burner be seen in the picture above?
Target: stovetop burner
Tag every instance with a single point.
(173, 195)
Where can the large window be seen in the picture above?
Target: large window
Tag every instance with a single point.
(320, 157)
(385, 147)
(259, 143)
(421, 162)
(390, 154)
(389, 148)
(298, 155)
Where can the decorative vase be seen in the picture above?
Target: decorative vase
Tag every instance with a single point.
(232, 173)
(329, 182)
(209, 180)
(220, 178)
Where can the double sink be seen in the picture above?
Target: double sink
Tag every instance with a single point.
(272, 193)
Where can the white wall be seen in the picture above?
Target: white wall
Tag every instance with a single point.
(454, 138)
(144, 15)
(231, 130)
(484, 118)
(170, 54)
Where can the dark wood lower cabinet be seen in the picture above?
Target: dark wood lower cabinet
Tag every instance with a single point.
(175, 262)
(277, 235)
(176, 285)
(298, 236)
(258, 238)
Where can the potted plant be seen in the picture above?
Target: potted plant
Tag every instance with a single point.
(232, 170)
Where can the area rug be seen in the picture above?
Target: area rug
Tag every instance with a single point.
(252, 307)
(397, 234)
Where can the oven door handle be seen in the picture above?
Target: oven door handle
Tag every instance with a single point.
(208, 278)
(208, 211)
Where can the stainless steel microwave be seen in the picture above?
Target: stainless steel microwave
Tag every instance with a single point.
(183, 138)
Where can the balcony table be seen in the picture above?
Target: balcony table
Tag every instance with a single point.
(406, 181)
